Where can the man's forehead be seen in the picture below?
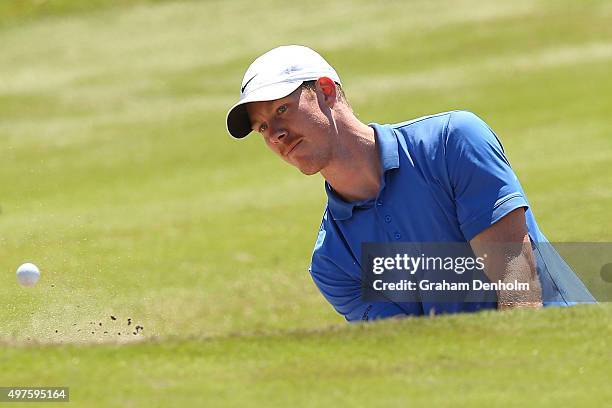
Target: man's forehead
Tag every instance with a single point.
(266, 106)
(262, 104)
(255, 108)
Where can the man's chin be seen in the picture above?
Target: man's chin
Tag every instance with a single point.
(308, 170)
(309, 173)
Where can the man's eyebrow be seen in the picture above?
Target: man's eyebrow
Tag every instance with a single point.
(273, 107)
(255, 126)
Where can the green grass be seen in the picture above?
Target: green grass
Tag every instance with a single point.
(508, 359)
(119, 181)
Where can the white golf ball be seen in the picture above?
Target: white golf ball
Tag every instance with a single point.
(28, 274)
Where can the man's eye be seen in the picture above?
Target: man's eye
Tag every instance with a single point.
(281, 109)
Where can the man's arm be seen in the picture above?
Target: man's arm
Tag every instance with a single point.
(506, 250)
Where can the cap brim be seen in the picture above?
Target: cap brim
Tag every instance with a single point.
(238, 122)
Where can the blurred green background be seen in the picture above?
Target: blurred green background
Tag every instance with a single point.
(120, 182)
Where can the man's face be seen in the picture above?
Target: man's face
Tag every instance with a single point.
(298, 128)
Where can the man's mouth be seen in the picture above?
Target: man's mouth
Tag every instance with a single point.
(293, 146)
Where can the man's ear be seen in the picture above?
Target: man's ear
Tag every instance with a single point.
(327, 87)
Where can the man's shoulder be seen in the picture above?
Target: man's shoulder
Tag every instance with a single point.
(439, 121)
(434, 131)
(330, 256)
(326, 233)
(330, 242)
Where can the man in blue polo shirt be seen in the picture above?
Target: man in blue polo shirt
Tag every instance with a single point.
(441, 178)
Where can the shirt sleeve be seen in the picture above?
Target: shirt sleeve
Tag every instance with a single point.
(338, 278)
(484, 185)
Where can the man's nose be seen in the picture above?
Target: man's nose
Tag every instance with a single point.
(277, 134)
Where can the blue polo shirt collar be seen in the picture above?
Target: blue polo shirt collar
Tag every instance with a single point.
(389, 157)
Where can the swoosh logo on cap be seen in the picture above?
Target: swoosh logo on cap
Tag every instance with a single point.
(247, 82)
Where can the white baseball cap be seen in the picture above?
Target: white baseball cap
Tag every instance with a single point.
(275, 75)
